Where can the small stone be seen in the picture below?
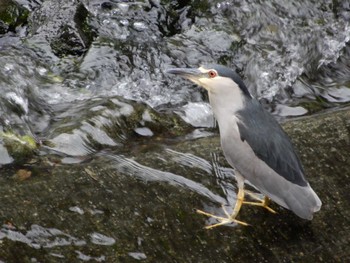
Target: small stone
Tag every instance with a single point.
(22, 174)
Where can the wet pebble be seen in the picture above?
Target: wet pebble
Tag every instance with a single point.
(77, 209)
(144, 131)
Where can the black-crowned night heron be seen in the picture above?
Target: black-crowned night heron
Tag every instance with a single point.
(254, 144)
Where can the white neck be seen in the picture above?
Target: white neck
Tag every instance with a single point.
(226, 102)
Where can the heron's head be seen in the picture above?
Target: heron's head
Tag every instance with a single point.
(216, 79)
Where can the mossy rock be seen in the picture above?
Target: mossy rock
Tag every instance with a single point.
(11, 15)
(20, 148)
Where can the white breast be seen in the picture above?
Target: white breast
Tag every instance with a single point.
(226, 100)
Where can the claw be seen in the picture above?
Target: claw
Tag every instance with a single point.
(222, 220)
(262, 202)
(230, 218)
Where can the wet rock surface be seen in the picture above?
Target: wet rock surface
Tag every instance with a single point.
(124, 208)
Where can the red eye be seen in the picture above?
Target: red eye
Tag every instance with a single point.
(212, 73)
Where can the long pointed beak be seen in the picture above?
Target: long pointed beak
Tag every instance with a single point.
(190, 73)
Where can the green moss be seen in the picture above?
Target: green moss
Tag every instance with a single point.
(168, 123)
(13, 14)
(19, 147)
(315, 106)
(29, 141)
(162, 124)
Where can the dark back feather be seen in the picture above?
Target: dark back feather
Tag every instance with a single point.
(269, 142)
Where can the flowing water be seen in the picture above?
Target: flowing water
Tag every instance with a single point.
(286, 52)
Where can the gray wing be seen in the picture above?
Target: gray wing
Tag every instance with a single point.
(269, 142)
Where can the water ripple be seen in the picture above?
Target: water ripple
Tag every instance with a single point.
(100, 239)
(129, 166)
(38, 237)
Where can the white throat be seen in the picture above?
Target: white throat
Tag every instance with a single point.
(226, 100)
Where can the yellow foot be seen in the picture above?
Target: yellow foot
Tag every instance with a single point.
(262, 202)
(222, 220)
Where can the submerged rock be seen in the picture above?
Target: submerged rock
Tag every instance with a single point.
(111, 123)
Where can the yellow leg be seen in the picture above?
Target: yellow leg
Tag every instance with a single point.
(262, 202)
(230, 218)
